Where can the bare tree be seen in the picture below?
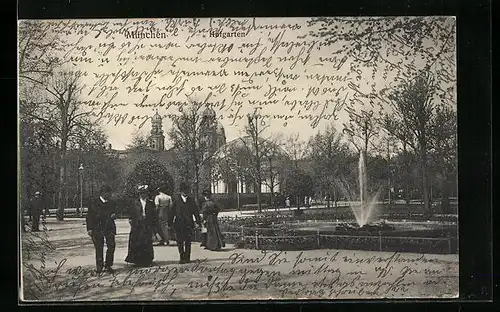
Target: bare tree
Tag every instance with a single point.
(361, 130)
(411, 121)
(274, 158)
(36, 64)
(444, 149)
(189, 139)
(329, 154)
(403, 47)
(296, 148)
(66, 116)
(139, 140)
(37, 49)
(253, 144)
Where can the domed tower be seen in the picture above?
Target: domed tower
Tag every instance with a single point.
(208, 128)
(220, 135)
(156, 139)
(213, 137)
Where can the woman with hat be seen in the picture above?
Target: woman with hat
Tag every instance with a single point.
(142, 216)
(210, 210)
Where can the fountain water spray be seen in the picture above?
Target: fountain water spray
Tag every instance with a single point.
(363, 212)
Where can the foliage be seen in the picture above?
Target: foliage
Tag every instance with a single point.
(361, 129)
(412, 121)
(192, 141)
(151, 173)
(329, 156)
(443, 152)
(298, 183)
(139, 141)
(36, 53)
(391, 49)
(296, 148)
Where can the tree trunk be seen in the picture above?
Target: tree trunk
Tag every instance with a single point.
(425, 186)
(60, 198)
(335, 199)
(328, 200)
(197, 180)
(445, 201)
(62, 178)
(259, 205)
(407, 176)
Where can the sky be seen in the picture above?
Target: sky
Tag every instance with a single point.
(266, 64)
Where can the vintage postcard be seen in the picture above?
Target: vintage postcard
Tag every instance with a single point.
(238, 159)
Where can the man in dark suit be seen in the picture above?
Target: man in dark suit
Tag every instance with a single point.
(181, 218)
(36, 209)
(101, 227)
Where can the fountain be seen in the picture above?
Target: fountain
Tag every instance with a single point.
(363, 212)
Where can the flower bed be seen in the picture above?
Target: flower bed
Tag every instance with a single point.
(345, 215)
(369, 243)
(276, 232)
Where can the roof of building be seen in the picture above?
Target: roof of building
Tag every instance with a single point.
(156, 117)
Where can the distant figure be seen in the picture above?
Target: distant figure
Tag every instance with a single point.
(142, 222)
(287, 203)
(100, 222)
(210, 210)
(163, 203)
(36, 209)
(181, 218)
(277, 201)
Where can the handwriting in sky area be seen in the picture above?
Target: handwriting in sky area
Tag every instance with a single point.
(273, 70)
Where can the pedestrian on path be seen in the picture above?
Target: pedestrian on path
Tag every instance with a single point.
(181, 219)
(142, 223)
(101, 227)
(36, 209)
(210, 211)
(163, 203)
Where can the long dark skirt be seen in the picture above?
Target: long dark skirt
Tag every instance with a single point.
(140, 244)
(215, 240)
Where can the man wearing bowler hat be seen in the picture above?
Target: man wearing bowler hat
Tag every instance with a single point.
(36, 209)
(101, 227)
(181, 218)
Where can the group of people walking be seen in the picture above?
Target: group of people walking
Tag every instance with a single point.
(162, 216)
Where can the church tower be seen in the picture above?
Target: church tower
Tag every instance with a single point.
(157, 139)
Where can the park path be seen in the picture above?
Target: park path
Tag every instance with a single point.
(227, 274)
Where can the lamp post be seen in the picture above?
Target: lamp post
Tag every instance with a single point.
(80, 169)
(269, 156)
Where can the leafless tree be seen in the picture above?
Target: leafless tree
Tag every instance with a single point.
(65, 116)
(361, 130)
(412, 119)
(254, 146)
(37, 52)
(139, 140)
(403, 47)
(296, 148)
(329, 157)
(189, 138)
(444, 149)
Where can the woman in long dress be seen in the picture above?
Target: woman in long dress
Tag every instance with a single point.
(210, 210)
(142, 221)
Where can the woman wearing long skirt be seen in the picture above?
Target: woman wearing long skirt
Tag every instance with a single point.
(142, 221)
(210, 210)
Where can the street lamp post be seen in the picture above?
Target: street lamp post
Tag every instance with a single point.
(269, 156)
(80, 169)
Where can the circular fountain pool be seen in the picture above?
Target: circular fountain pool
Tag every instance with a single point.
(386, 228)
